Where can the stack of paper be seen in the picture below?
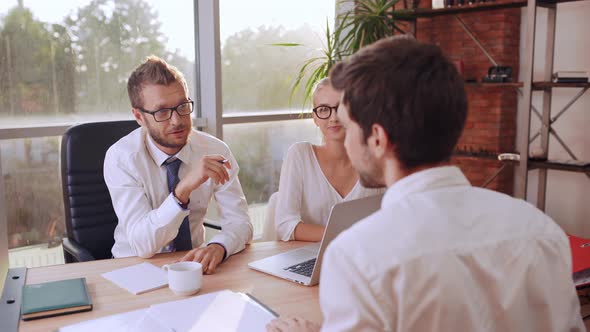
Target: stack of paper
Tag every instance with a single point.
(115, 323)
(220, 311)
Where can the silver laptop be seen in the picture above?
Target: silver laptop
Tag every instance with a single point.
(303, 265)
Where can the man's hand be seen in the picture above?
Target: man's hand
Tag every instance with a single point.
(212, 166)
(209, 257)
(292, 324)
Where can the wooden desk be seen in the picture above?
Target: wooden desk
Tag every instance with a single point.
(284, 297)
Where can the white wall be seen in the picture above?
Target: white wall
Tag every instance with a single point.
(3, 235)
(568, 194)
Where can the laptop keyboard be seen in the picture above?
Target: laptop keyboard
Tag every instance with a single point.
(304, 268)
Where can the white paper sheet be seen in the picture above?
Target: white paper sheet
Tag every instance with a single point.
(220, 311)
(223, 311)
(138, 278)
(115, 323)
(149, 323)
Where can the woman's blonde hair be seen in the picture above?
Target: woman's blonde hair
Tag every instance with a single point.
(318, 86)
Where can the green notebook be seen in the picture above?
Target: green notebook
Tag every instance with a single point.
(55, 298)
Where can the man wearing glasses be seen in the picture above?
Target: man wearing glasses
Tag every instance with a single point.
(162, 176)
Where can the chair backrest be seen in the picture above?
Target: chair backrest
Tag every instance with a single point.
(89, 214)
(269, 232)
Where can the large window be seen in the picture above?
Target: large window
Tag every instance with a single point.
(33, 196)
(256, 82)
(256, 74)
(66, 62)
(259, 149)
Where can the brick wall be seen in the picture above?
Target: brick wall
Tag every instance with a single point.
(491, 122)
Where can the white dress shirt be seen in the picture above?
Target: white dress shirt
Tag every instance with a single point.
(441, 255)
(149, 217)
(305, 194)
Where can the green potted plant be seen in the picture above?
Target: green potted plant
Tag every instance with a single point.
(367, 22)
(314, 69)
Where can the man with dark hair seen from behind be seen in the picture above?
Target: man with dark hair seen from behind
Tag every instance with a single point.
(440, 255)
(162, 176)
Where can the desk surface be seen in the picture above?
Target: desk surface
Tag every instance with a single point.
(284, 297)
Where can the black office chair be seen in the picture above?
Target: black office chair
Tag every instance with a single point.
(90, 218)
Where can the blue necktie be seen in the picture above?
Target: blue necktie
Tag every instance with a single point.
(182, 241)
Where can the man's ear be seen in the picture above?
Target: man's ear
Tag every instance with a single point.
(378, 141)
(137, 116)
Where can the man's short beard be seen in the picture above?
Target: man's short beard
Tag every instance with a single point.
(162, 141)
(371, 176)
(369, 182)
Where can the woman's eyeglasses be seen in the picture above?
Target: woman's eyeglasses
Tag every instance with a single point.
(324, 112)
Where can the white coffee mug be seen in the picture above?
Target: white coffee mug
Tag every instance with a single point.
(184, 278)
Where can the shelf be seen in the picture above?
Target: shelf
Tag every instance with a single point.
(539, 2)
(478, 155)
(549, 85)
(570, 166)
(494, 85)
(477, 7)
(553, 2)
(412, 14)
(582, 167)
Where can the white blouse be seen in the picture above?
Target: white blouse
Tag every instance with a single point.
(305, 194)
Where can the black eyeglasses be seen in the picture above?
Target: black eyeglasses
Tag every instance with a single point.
(324, 112)
(165, 114)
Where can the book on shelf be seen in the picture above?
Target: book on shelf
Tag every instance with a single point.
(570, 73)
(570, 76)
(571, 80)
(55, 298)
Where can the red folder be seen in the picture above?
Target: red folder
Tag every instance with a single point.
(580, 260)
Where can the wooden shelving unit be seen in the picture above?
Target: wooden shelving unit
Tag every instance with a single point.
(545, 86)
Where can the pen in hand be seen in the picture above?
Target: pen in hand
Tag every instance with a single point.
(223, 163)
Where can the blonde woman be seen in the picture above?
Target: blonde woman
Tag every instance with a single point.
(315, 177)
